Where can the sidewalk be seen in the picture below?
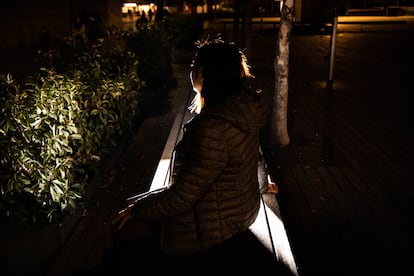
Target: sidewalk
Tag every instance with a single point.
(345, 181)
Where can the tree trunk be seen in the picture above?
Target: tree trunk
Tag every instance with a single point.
(279, 135)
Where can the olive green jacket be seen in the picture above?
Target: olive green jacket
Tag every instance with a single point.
(214, 192)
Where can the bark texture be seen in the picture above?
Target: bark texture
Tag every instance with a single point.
(279, 135)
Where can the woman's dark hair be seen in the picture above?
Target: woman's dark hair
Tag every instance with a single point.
(224, 68)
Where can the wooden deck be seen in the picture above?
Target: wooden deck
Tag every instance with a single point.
(346, 193)
(345, 180)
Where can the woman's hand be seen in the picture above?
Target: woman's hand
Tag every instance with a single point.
(122, 217)
(272, 188)
(137, 229)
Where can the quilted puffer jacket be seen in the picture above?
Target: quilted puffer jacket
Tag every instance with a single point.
(214, 192)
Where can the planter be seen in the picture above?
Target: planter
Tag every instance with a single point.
(31, 250)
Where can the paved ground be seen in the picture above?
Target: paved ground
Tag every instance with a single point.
(346, 180)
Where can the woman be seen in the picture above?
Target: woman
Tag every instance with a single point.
(214, 193)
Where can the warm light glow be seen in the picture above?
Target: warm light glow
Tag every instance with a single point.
(134, 7)
(270, 231)
(371, 18)
(130, 4)
(162, 175)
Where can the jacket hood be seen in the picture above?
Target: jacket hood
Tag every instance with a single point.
(245, 110)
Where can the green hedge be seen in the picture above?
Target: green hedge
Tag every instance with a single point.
(185, 29)
(152, 44)
(58, 126)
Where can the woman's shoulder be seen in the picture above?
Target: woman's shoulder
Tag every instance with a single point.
(208, 124)
(205, 120)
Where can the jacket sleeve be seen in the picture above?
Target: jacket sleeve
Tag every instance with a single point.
(204, 158)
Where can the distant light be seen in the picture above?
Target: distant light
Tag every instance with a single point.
(130, 4)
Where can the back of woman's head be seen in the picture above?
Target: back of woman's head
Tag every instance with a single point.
(223, 67)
